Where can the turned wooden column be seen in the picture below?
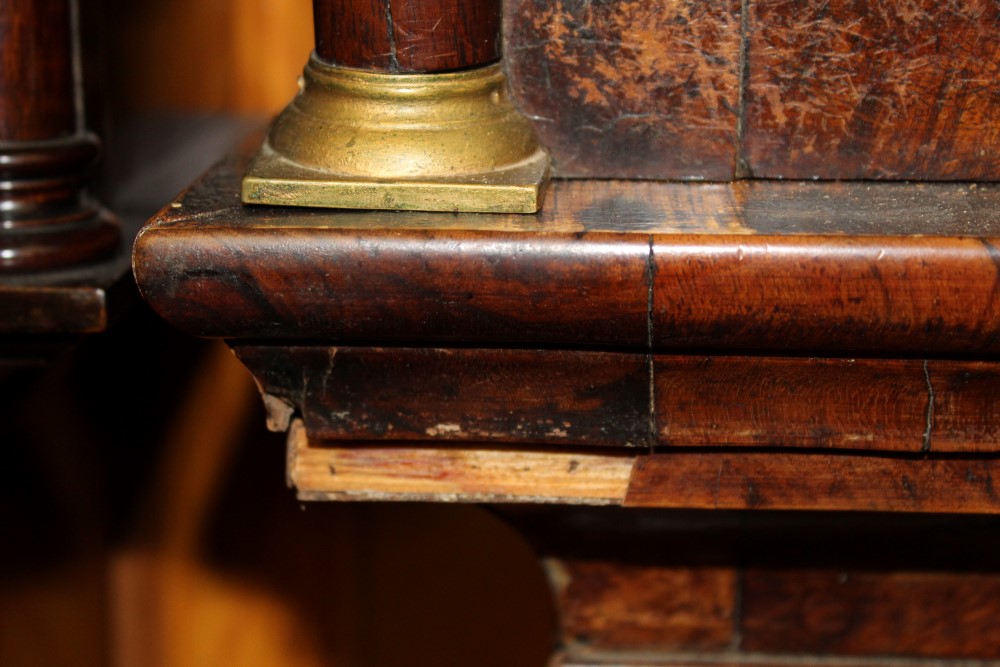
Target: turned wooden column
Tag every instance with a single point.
(47, 220)
(408, 36)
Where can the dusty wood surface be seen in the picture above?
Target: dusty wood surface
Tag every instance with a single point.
(435, 395)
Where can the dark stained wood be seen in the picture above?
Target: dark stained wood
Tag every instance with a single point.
(59, 310)
(843, 612)
(407, 285)
(609, 605)
(903, 294)
(872, 89)
(866, 404)
(46, 219)
(408, 35)
(629, 89)
(556, 397)
(36, 70)
(772, 480)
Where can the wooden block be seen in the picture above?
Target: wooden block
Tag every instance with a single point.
(560, 398)
(606, 605)
(872, 89)
(629, 89)
(773, 480)
(328, 471)
(913, 614)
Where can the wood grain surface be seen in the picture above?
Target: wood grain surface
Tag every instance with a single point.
(629, 89)
(772, 480)
(611, 605)
(325, 471)
(872, 89)
(36, 70)
(408, 35)
(842, 612)
(560, 398)
(567, 398)
(900, 268)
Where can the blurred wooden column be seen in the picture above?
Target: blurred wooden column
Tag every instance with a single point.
(47, 220)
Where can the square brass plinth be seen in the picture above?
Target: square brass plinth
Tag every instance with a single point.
(274, 180)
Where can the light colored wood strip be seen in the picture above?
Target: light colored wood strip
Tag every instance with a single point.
(366, 472)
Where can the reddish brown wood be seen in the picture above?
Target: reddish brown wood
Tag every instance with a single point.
(814, 293)
(890, 268)
(36, 70)
(843, 612)
(629, 90)
(868, 404)
(408, 35)
(46, 220)
(609, 605)
(872, 89)
(559, 397)
(406, 285)
(773, 480)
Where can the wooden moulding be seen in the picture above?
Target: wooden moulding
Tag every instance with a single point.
(565, 398)
(325, 470)
(839, 267)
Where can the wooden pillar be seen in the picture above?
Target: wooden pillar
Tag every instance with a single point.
(408, 36)
(47, 221)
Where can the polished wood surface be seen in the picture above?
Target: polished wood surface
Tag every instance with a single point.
(47, 221)
(840, 267)
(36, 70)
(412, 36)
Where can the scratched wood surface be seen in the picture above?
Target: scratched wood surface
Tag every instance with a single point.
(792, 266)
(872, 89)
(438, 395)
(567, 398)
(404, 36)
(629, 89)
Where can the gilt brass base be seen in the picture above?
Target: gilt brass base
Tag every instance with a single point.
(418, 142)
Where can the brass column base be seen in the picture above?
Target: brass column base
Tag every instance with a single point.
(417, 142)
